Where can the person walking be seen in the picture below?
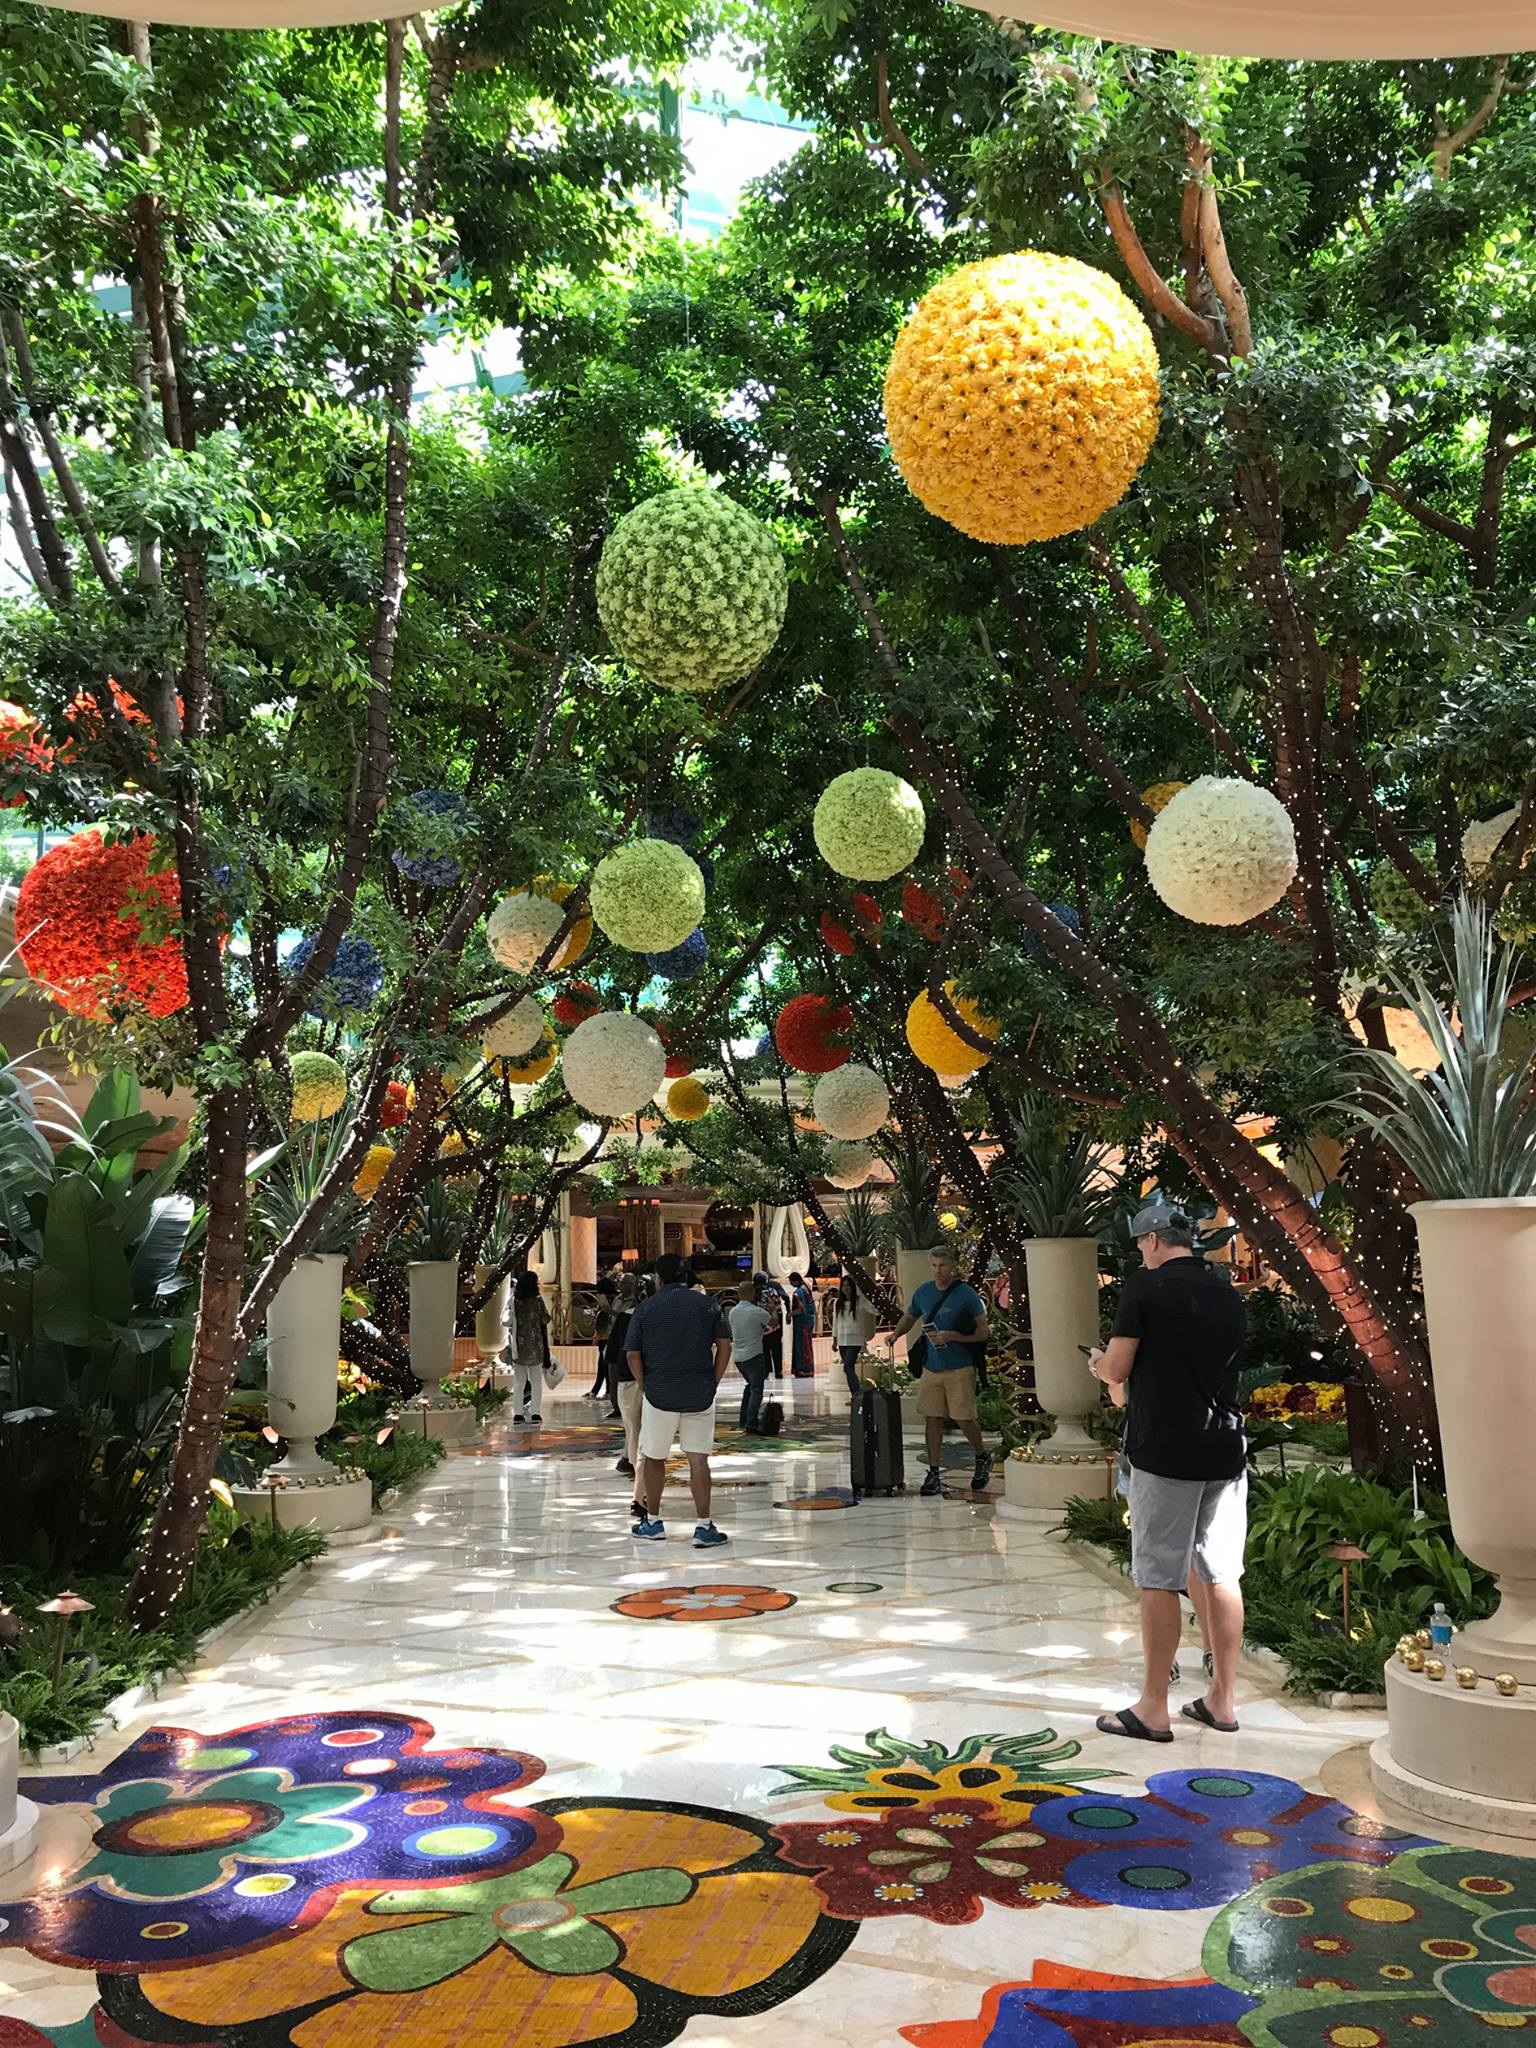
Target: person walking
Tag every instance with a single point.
(749, 1325)
(953, 1318)
(530, 1330)
(770, 1299)
(802, 1310)
(848, 1330)
(677, 1347)
(625, 1393)
(1177, 1346)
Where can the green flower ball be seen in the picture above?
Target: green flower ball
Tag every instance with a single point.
(319, 1086)
(1393, 898)
(691, 589)
(869, 824)
(648, 896)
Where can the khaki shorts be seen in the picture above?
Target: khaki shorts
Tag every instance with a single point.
(951, 1393)
(693, 1429)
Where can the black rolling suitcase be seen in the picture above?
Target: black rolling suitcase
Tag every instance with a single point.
(874, 1443)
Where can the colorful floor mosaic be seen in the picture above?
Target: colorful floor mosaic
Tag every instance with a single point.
(450, 1792)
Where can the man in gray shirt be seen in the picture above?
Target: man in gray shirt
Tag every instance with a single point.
(678, 1349)
(748, 1324)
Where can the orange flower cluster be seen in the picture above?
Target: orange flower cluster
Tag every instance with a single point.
(80, 931)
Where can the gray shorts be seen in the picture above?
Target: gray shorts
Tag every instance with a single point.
(1179, 1523)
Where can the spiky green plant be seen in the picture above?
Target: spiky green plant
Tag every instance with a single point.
(862, 1227)
(1467, 1132)
(1037, 1758)
(912, 1205)
(1055, 1183)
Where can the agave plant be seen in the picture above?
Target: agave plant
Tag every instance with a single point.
(912, 1205)
(1056, 1184)
(289, 1177)
(1468, 1132)
(863, 1227)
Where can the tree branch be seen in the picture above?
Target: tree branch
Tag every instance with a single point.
(1447, 143)
(1144, 273)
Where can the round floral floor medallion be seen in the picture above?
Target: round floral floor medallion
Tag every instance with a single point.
(702, 1603)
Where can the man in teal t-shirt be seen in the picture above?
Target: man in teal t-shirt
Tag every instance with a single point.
(954, 1324)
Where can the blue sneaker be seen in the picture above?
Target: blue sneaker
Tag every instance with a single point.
(707, 1537)
(652, 1530)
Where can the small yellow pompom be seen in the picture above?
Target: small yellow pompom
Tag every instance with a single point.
(370, 1175)
(1022, 397)
(1154, 797)
(936, 1044)
(534, 1065)
(687, 1100)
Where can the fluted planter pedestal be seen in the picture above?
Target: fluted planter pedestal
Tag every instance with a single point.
(1458, 1754)
(304, 1489)
(1063, 1313)
(491, 1320)
(18, 1817)
(434, 1287)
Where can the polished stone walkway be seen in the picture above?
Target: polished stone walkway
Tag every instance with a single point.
(506, 1775)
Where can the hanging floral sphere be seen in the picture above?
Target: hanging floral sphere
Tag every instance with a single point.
(520, 928)
(580, 936)
(1222, 851)
(514, 1035)
(614, 1064)
(575, 1004)
(22, 746)
(1021, 398)
(80, 916)
(849, 1166)
(648, 896)
(868, 912)
(1156, 796)
(835, 934)
(935, 1041)
(691, 589)
(869, 824)
(687, 1101)
(851, 1103)
(531, 1066)
(370, 1175)
(814, 1034)
(1393, 897)
(1479, 846)
(319, 1087)
(1063, 913)
(395, 1107)
(437, 868)
(674, 822)
(680, 1060)
(923, 911)
(680, 963)
(351, 982)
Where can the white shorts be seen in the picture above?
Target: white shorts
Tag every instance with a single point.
(694, 1429)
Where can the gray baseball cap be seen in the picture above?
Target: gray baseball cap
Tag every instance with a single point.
(1157, 1216)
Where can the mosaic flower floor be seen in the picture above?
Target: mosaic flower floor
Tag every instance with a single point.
(506, 1776)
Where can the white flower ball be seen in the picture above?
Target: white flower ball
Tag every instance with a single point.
(1222, 851)
(514, 1036)
(648, 896)
(869, 824)
(1481, 841)
(849, 1166)
(613, 1064)
(852, 1102)
(520, 928)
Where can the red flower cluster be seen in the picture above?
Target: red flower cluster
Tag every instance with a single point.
(396, 1106)
(21, 746)
(79, 929)
(814, 1034)
(923, 910)
(868, 912)
(576, 1004)
(837, 936)
(680, 1061)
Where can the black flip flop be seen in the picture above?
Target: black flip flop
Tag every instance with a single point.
(1126, 1721)
(1197, 1710)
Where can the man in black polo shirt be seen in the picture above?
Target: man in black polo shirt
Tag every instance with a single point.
(678, 1348)
(1177, 1346)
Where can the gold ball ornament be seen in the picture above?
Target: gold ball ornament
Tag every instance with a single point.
(1414, 1658)
(1505, 1684)
(1466, 1678)
(687, 1100)
(1021, 398)
(936, 1043)
(1423, 1638)
(1434, 1667)
(1154, 797)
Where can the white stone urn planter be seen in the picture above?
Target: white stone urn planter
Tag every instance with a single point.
(912, 1269)
(18, 1817)
(1470, 1754)
(491, 1320)
(1063, 1314)
(303, 1489)
(434, 1286)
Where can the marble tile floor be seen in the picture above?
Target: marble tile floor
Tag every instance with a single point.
(438, 1790)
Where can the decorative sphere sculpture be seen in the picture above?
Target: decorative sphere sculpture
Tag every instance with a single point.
(851, 1103)
(647, 896)
(869, 824)
(1222, 851)
(613, 1064)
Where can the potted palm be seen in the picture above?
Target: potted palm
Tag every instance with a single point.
(436, 1235)
(911, 1213)
(1467, 1134)
(1062, 1190)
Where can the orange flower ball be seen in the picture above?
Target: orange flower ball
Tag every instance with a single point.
(81, 935)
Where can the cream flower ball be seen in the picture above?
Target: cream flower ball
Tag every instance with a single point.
(520, 928)
(1482, 840)
(648, 896)
(853, 1102)
(1222, 851)
(514, 1036)
(869, 824)
(849, 1166)
(613, 1064)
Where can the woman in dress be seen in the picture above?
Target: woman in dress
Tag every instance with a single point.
(530, 1329)
(802, 1309)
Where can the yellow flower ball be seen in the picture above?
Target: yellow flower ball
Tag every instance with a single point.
(534, 1065)
(1154, 797)
(319, 1086)
(581, 930)
(370, 1175)
(1022, 397)
(936, 1044)
(687, 1100)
